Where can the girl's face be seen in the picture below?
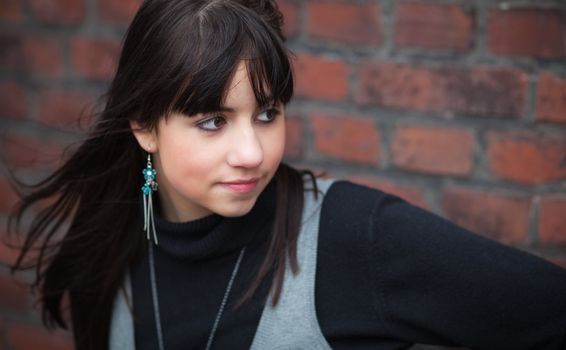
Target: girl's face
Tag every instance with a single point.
(220, 162)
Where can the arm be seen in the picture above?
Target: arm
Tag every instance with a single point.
(439, 283)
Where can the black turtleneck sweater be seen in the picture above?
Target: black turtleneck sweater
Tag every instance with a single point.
(388, 275)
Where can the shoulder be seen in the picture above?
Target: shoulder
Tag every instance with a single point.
(346, 256)
(348, 214)
(361, 216)
(346, 204)
(386, 228)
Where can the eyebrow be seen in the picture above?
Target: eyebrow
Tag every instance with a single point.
(226, 109)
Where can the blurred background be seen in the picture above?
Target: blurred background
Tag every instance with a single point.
(458, 106)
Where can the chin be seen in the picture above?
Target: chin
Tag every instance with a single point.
(235, 210)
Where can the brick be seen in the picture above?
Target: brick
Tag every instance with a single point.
(45, 56)
(435, 150)
(11, 10)
(552, 220)
(3, 341)
(321, 78)
(35, 55)
(118, 11)
(503, 217)
(9, 196)
(291, 21)
(410, 193)
(3, 330)
(551, 98)
(532, 32)
(526, 157)
(481, 91)
(24, 151)
(13, 294)
(63, 108)
(433, 26)
(294, 136)
(14, 100)
(58, 11)
(349, 23)
(95, 58)
(11, 52)
(25, 337)
(347, 138)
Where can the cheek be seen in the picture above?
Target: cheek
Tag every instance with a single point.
(274, 146)
(184, 163)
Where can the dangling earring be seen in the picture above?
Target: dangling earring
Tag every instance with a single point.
(147, 189)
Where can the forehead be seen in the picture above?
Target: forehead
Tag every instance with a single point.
(239, 83)
(240, 93)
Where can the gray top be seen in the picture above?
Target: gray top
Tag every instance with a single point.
(292, 324)
(122, 324)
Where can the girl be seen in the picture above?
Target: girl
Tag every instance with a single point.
(226, 247)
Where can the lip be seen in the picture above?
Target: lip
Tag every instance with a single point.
(241, 185)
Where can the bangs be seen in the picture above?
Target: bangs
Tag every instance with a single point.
(227, 34)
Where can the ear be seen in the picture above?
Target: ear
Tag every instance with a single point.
(146, 138)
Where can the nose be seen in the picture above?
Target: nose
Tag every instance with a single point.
(246, 149)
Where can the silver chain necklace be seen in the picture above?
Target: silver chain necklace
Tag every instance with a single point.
(156, 299)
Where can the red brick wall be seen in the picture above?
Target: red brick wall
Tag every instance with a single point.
(457, 106)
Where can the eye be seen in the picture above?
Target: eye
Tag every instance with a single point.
(268, 115)
(212, 124)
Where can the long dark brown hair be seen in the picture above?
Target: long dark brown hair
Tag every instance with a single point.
(177, 56)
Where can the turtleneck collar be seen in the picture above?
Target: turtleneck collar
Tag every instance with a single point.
(215, 235)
